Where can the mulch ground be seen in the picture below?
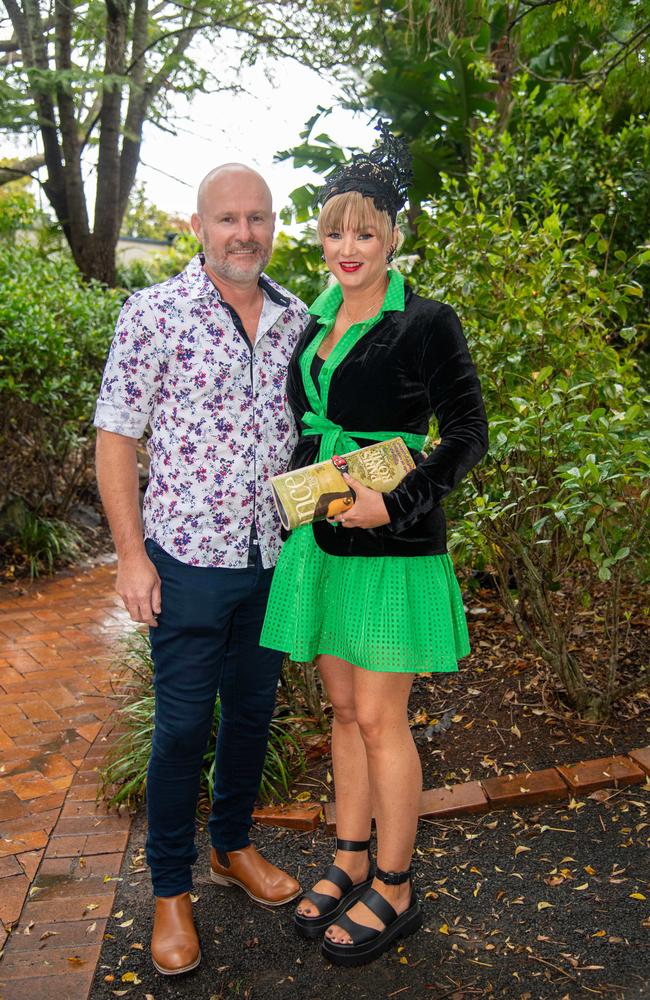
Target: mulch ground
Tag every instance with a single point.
(550, 902)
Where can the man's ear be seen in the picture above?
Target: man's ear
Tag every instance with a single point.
(195, 222)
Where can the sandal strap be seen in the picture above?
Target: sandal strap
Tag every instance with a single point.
(352, 845)
(393, 878)
(379, 906)
(361, 933)
(323, 900)
(340, 878)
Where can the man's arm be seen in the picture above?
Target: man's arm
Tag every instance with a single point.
(138, 583)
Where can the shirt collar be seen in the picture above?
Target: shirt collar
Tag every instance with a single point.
(200, 285)
(328, 302)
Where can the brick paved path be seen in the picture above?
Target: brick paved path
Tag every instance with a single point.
(58, 849)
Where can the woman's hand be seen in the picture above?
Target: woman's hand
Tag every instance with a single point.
(368, 510)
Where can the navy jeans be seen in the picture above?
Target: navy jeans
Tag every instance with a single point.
(206, 642)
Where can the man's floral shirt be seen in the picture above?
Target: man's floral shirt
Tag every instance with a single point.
(220, 424)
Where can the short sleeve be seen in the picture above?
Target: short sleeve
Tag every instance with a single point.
(133, 366)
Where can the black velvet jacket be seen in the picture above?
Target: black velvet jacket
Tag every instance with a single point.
(409, 365)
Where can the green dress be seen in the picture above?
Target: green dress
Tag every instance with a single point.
(400, 614)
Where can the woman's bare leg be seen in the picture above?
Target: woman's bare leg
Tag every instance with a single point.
(395, 777)
(353, 810)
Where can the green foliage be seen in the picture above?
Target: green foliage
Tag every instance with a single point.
(146, 221)
(296, 264)
(54, 335)
(16, 209)
(47, 542)
(142, 273)
(561, 505)
(562, 151)
(125, 774)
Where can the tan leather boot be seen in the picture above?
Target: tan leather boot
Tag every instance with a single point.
(174, 943)
(263, 882)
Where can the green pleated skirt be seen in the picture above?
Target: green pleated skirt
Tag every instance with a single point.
(401, 614)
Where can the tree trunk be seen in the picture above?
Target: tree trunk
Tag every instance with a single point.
(106, 226)
(96, 258)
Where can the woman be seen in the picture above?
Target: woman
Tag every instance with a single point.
(372, 595)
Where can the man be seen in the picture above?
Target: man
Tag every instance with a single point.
(202, 359)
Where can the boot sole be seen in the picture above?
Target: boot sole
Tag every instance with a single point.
(349, 955)
(175, 972)
(225, 880)
(312, 927)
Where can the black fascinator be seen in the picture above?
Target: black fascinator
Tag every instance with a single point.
(383, 174)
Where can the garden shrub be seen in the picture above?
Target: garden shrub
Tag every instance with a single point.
(55, 331)
(559, 508)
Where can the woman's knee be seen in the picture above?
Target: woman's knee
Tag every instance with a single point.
(376, 725)
(344, 712)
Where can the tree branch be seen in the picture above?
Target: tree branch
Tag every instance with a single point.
(108, 173)
(69, 130)
(28, 27)
(22, 168)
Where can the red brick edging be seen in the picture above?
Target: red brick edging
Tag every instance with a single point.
(553, 784)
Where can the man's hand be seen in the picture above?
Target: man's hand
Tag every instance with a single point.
(138, 584)
(368, 510)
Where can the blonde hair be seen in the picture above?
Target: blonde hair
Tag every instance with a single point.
(352, 210)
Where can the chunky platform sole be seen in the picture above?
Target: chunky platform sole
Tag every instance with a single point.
(349, 954)
(312, 927)
(229, 881)
(175, 972)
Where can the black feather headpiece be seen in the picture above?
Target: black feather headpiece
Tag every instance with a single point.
(383, 174)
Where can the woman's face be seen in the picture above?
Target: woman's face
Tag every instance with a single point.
(356, 258)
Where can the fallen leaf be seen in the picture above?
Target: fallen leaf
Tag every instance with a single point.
(127, 923)
(521, 849)
(578, 888)
(637, 895)
(76, 961)
(544, 906)
(444, 929)
(93, 927)
(516, 731)
(131, 977)
(303, 797)
(47, 934)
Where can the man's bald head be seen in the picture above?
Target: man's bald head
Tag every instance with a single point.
(234, 221)
(221, 179)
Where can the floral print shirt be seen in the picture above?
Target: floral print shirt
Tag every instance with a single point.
(220, 424)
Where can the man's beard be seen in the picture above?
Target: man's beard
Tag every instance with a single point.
(226, 266)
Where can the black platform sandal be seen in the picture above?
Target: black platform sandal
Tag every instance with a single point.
(329, 907)
(367, 942)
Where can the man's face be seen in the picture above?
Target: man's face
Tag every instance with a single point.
(235, 226)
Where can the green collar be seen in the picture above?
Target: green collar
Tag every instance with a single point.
(327, 304)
